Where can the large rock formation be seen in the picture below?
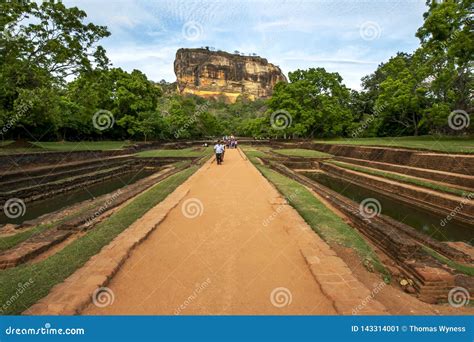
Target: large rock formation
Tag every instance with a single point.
(213, 73)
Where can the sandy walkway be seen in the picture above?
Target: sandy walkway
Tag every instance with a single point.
(223, 261)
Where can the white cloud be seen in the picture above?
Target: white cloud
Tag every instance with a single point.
(331, 60)
(292, 34)
(123, 21)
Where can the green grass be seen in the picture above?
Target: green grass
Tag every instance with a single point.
(253, 153)
(56, 268)
(322, 220)
(248, 147)
(402, 178)
(5, 142)
(262, 152)
(19, 150)
(81, 145)
(300, 152)
(185, 152)
(11, 241)
(469, 270)
(426, 142)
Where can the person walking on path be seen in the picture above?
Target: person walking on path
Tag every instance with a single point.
(219, 150)
(223, 152)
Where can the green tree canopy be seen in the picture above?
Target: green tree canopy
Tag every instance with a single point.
(317, 103)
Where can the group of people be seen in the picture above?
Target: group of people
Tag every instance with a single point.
(230, 141)
(220, 146)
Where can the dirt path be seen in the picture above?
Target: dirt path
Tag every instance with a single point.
(223, 261)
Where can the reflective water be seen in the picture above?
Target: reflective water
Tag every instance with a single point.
(419, 218)
(56, 202)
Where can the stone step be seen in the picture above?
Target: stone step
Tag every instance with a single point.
(42, 191)
(427, 198)
(446, 178)
(32, 247)
(58, 173)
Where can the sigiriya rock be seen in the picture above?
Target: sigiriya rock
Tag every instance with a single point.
(209, 73)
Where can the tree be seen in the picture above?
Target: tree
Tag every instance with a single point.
(402, 101)
(447, 40)
(315, 101)
(41, 46)
(52, 37)
(447, 47)
(130, 97)
(146, 124)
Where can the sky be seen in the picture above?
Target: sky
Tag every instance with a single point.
(351, 37)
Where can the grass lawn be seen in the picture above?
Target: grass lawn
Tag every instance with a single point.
(53, 270)
(321, 219)
(426, 142)
(252, 152)
(185, 152)
(81, 145)
(469, 270)
(402, 178)
(300, 152)
(5, 142)
(11, 241)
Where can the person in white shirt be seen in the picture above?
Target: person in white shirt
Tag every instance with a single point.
(219, 150)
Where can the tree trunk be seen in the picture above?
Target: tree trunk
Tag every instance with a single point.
(415, 124)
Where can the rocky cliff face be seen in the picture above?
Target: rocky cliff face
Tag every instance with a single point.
(213, 73)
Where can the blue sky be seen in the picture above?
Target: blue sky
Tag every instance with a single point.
(351, 37)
